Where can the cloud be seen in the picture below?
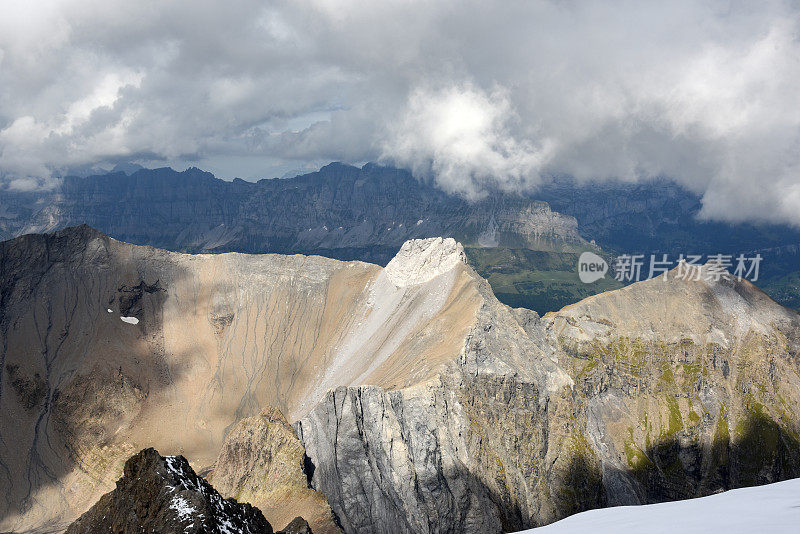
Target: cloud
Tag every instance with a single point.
(470, 94)
(463, 138)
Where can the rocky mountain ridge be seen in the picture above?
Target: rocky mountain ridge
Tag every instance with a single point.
(157, 494)
(216, 338)
(367, 213)
(420, 403)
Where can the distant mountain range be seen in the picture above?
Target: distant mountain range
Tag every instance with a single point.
(346, 212)
(340, 211)
(663, 217)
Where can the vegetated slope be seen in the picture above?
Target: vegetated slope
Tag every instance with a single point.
(539, 280)
(421, 402)
(773, 508)
(690, 385)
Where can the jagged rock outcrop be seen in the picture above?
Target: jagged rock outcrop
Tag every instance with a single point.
(423, 404)
(263, 463)
(298, 525)
(157, 494)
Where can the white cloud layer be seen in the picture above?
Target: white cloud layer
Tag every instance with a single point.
(470, 93)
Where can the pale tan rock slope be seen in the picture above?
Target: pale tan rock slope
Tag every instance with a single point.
(219, 337)
(263, 463)
(421, 402)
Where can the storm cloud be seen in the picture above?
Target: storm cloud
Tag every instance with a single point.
(469, 94)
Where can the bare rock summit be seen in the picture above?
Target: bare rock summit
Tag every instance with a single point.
(422, 260)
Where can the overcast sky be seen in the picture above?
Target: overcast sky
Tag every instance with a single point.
(465, 93)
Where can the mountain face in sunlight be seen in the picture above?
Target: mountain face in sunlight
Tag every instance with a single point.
(414, 400)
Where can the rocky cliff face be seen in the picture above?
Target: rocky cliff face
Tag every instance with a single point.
(341, 211)
(665, 390)
(690, 385)
(421, 402)
(157, 494)
(472, 450)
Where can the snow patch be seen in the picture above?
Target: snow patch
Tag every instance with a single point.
(226, 515)
(182, 508)
(129, 320)
(773, 508)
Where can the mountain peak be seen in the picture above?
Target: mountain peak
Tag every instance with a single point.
(128, 168)
(163, 494)
(705, 303)
(337, 165)
(421, 260)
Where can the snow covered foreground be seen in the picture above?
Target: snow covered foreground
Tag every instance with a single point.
(774, 508)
